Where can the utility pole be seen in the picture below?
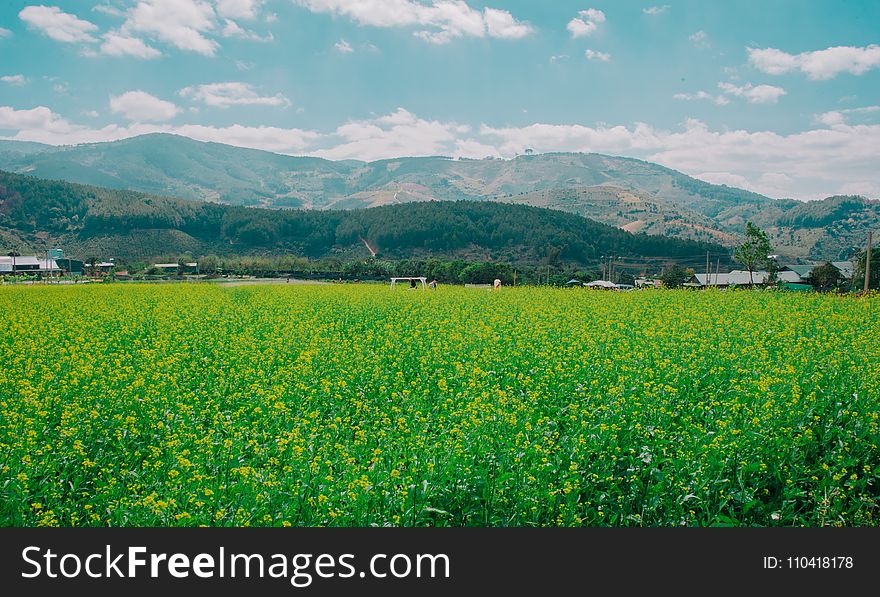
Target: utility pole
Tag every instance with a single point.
(708, 270)
(868, 264)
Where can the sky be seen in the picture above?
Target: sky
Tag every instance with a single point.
(781, 97)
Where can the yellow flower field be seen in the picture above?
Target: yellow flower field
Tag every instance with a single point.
(355, 405)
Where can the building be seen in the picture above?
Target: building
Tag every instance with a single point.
(175, 268)
(734, 278)
(643, 282)
(49, 266)
(801, 271)
(104, 267)
(28, 265)
(795, 277)
(800, 274)
(73, 267)
(789, 277)
(846, 268)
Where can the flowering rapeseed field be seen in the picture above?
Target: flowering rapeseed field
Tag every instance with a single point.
(357, 405)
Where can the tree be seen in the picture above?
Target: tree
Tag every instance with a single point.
(859, 276)
(674, 277)
(825, 277)
(754, 252)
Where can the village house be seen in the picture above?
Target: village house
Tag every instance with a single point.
(789, 276)
(29, 265)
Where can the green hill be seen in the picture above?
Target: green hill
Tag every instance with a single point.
(94, 221)
(632, 194)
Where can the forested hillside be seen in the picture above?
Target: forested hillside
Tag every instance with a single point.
(36, 213)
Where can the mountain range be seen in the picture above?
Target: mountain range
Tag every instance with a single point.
(95, 222)
(630, 194)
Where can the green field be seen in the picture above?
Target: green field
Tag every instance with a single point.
(352, 405)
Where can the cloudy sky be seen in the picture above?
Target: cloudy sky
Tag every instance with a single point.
(777, 96)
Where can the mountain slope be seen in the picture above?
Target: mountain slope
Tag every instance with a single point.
(178, 166)
(632, 194)
(91, 221)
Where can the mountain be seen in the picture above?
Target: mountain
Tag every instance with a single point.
(88, 221)
(632, 194)
(181, 167)
(22, 148)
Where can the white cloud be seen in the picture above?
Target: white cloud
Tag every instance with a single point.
(232, 29)
(119, 44)
(14, 80)
(836, 117)
(445, 19)
(726, 178)
(398, 134)
(761, 94)
(586, 23)
(600, 56)
(44, 126)
(863, 110)
(831, 118)
(817, 65)
(502, 24)
(656, 10)
(140, 106)
(343, 47)
(224, 95)
(40, 119)
(189, 25)
(58, 25)
(470, 148)
(866, 188)
(239, 9)
(180, 23)
(261, 137)
(108, 9)
(700, 39)
(702, 95)
(4, 32)
(244, 65)
(271, 18)
(91, 113)
(557, 58)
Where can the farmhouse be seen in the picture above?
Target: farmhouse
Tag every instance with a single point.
(734, 278)
(643, 282)
(71, 266)
(602, 284)
(104, 267)
(793, 277)
(800, 274)
(796, 274)
(174, 268)
(846, 268)
(28, 264)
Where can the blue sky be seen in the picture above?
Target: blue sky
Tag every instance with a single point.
(781, 97)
